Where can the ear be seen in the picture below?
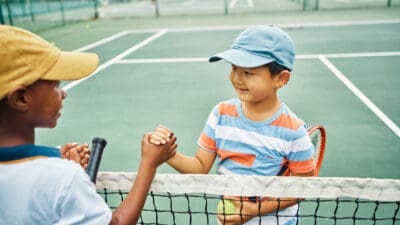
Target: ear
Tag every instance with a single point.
(17, 99)
(282, 78)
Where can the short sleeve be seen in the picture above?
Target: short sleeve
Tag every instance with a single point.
(82, 204)
(301, 154)
(206, 140)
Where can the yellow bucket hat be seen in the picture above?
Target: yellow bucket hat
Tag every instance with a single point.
(26, 58)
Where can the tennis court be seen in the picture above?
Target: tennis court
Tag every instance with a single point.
(156, 71)
(162, 76)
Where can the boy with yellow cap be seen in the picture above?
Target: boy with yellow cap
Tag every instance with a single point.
(37, 185)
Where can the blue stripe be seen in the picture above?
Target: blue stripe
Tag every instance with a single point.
(27, 151)
(301, 155)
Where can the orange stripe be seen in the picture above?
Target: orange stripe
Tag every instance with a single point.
(287, 121)
(241, 158)
(227, 109)
(23, 160)
(207, 142)
(301, 166)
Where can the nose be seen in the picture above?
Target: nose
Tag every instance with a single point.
(63, 94)
(236, 76)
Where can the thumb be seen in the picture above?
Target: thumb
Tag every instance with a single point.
(65, 148)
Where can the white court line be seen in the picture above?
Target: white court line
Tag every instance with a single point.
(102, 41)
(205, 59)
(285, 25)
(162, 60)
(117, 58)
(349, 55)
(239, 27)
(361, 96)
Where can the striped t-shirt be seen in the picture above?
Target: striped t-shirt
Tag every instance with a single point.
(256, 148)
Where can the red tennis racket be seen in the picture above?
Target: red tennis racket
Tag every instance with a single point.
(317, 134)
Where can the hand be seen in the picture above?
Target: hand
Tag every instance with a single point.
(240, 216)
(78, 153)
(161, 135)
(155, 155)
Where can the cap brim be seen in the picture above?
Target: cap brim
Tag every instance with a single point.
(72, 66)
(241, 58)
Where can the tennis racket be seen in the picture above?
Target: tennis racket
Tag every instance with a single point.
(317, 134)
(98, 145)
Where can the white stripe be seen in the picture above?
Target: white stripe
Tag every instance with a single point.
(212, 121)
(361, 96)
(117, 58)
(256, 139)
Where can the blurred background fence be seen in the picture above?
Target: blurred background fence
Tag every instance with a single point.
(41, 14)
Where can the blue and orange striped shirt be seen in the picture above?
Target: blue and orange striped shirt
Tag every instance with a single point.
(256, 148)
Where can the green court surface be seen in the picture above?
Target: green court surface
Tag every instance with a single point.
(157, 72)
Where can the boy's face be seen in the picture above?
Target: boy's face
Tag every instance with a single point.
(254, 85)
(45, 102)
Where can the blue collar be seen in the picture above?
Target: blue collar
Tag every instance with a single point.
(25, 152)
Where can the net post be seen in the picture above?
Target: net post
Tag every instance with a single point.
(62, 12)
(10, 20)
(96, 10)
(156, 8)
(21, 3)
(316, 5)
(305, 5)
(389, 3)
(31, 11)
(226, 7)
(1, 15)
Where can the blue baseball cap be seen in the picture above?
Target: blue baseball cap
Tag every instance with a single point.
(259, 45)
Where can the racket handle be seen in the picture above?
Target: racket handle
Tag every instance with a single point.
(98, 145)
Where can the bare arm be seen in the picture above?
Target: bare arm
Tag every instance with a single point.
(249, 210)
(200, 163)
(152, 156)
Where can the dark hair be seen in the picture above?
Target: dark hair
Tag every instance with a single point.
(275, 68)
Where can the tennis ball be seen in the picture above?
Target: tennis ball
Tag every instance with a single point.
(229, 207)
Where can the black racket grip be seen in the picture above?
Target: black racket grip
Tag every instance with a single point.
(98, 145)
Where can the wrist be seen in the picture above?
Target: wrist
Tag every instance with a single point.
(147, 166)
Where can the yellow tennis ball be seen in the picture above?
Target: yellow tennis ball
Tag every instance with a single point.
(227, 205)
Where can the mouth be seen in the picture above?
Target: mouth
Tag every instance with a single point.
(241, 89)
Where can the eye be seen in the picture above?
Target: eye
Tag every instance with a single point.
(248, 73)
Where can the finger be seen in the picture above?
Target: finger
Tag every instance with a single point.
(154, 141)
(71, 145)
(174, 147)
(65, 148)
(158, 138)
(172, 154)
(163, 130)
(162, 136)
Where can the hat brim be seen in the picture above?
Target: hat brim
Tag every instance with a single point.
(241, 58)
(72, 66)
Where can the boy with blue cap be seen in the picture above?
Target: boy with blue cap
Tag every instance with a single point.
(255, 133)
(37, 185)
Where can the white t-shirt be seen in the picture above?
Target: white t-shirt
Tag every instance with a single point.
(48, 190)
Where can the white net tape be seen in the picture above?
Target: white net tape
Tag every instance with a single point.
(239, 185)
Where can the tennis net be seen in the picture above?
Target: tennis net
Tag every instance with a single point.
(192, 199)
